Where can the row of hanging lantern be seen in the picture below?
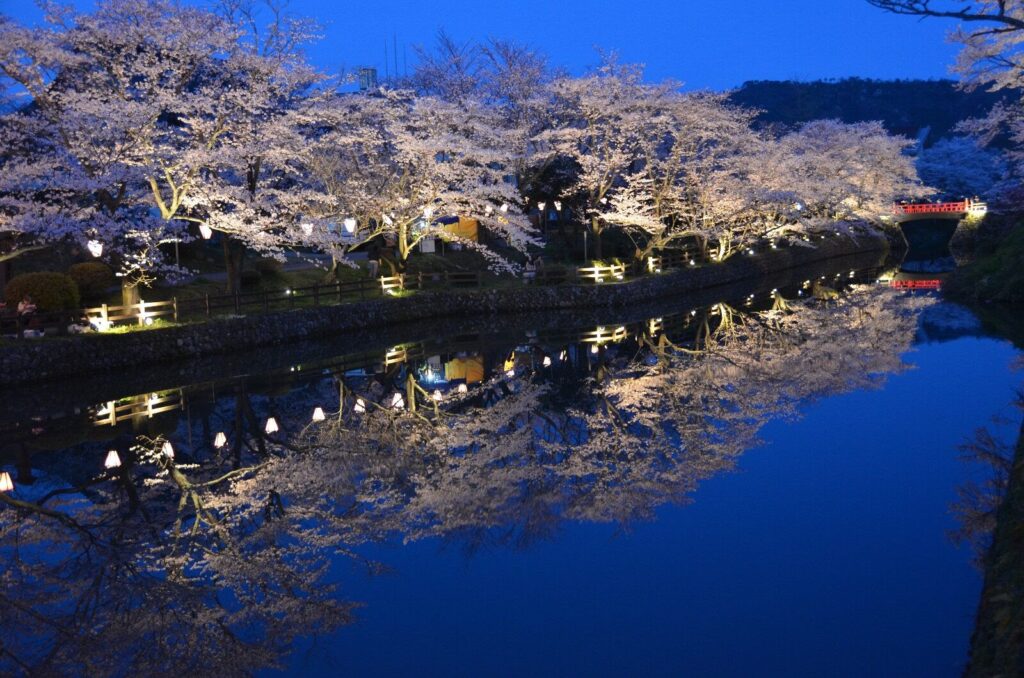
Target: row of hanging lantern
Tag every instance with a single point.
(113, 459)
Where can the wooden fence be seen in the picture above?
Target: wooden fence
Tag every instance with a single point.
(145, 313)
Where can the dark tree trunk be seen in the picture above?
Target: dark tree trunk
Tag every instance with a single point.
(130, 294)
(234, 258)
(595, 231)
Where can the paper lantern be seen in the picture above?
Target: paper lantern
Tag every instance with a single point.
(220, 440)
(112, 460)
(318, 414)
(271, 426)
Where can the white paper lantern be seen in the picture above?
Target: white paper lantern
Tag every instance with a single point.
(112, 460)
(271, 426)
(318, 414)
(220, 440)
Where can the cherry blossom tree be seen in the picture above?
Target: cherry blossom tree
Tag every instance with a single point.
(598, 125)
(837, 171)
(395, 163)
(149, 116)
(959, 166)
(693, 180)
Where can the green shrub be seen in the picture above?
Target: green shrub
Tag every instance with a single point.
(93, 278)
(49, 291)
(268, 268)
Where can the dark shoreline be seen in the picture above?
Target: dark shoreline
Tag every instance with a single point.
(30, 361)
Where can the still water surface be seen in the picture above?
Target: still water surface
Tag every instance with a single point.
(724, 485)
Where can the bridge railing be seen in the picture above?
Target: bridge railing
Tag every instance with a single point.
(932, 207)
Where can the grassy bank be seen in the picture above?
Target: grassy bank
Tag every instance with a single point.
(997, 272)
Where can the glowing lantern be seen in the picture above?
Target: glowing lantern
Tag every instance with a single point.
(360, 406)
(510, 373)
(437, 396)
(593, 349)
(428, 212)
(307, 229)
(397, 401)
(504, 207)
(388, 221)
(95, 248)
(6, 484)
(463, 388)
(220, 440)
(350, 225)
(168, 449)
(205, 231)
(271, 426)
(112, 460)
(541, 206)
(547, 361)
(318, 414)
(562, 355)
(558, 205)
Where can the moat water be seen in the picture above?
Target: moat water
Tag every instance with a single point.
(766, 479)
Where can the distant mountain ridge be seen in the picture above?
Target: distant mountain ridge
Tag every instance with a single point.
(905, 107)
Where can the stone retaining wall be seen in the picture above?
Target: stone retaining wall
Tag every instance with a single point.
(29, 360)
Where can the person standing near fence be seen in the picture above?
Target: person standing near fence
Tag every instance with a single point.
(373, 258)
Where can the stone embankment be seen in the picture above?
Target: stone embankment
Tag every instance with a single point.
(25, 361)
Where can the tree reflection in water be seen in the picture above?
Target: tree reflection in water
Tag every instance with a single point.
(216, 561)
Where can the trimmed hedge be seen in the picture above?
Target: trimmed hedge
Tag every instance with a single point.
(49, 291)
(93, 278)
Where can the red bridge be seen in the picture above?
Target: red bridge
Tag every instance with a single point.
(939, 210)
(916, 284)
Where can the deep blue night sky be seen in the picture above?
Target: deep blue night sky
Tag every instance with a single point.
(711, 43)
